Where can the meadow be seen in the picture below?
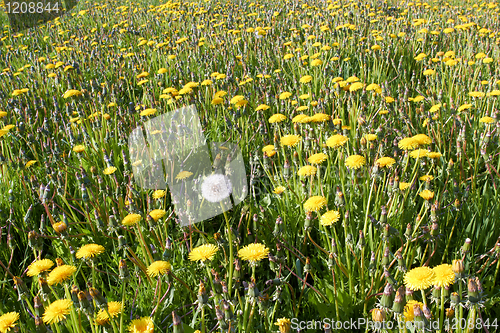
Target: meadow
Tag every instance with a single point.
(370, 136)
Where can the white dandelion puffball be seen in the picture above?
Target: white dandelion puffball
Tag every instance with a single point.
(216, 188)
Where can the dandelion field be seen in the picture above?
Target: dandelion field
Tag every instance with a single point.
(370, 134)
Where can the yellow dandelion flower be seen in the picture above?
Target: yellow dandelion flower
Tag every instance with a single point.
(159, 267)
(89, 251)
(419, 278)
(407, 143)
(114, 309)
(39, 266)
(355, 161)
(131, 219)
(147, 112)
(433, 154)
(157, 214)
(158, 194)
(60, 274)
(385, 162)
(464, 107)
(419, 153)
(279, 189)
(290, 140)
(285, 95)
(403, 186)
(486, 120)
(262, 107)
(422, 139)
(320, 118)
(109, 170)
(284, 325)
(329, 218)
(183, 175)
(203, 252)
(317, 158)
(426, 178)
(277, 118)
(306, 79)
(57, 311)
(315, 203)
(268, 148)
(336, 141)
(141, 325)
(301, 118)
(71, 93)
(236, 99)
(78, 148)
(443, 276)
(307, 170)
(253, 252)
(370, 137)
(8, 321)
(427, 194)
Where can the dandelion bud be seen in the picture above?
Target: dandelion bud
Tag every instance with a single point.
(123, 270)
(307, 267)
(112, 223)
(122, 242)
(434, 229)
(286, 169)
(399, 301)
(378, 315)
(427, 312)
(408, 231)
(386, 300)
(454, 299)
(220, 318)
(418, 317)
(372, 265)
(409, 295)
(449, 312)
(278, 227)
(98, 298)
(40, 325)
(84, 302)
(433, 213)
(202, 295)
(44, 288)
(436, 294)
(339, 198)
(361, 242)
(85, 194)
(334, 247)
(32, 240)
(385, 258)
(466, 247)
(307, 223)
(383, 215)
(178, 326)
(38, 306)
(99, 222)
(21, 288)
(253, 292)
(472, 291)
(228, 312)
(74, 296)
(331, 262)
(389, 278)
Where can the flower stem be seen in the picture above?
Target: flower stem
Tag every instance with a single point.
(231, 254)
